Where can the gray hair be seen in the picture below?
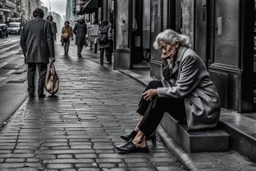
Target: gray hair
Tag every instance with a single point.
(171, 37)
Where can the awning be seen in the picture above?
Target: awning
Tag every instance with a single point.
(6, 10)
(90, 7)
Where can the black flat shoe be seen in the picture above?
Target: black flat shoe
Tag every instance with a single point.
(134, 133)
(130, 136)
(129, 147)
(41, 96)
(31, 95)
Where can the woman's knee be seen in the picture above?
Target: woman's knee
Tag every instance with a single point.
(154, 84)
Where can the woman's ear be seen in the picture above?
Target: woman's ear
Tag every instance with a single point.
(177, 45)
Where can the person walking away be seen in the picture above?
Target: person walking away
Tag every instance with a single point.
(103, 39)
(37, 45)
(53, 26)
(66, 34)
(80, 30)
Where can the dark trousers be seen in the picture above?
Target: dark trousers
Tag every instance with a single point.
(102, 54)
(42, 68)
(66, 46)
(153, 111)
(79, 50)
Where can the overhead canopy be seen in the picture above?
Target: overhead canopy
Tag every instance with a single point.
(90, 7)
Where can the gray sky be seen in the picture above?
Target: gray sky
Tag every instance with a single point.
(59, 6)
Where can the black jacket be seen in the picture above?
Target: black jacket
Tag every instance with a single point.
(37, 41)
(80, 30)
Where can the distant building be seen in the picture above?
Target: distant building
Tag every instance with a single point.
(69, 10)
(46, 11)
(7, 10)
(57, 19)
(33, 4)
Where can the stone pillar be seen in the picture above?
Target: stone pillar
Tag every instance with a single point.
(188, 18)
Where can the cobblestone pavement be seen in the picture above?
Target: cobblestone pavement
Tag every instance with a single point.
(80, 127)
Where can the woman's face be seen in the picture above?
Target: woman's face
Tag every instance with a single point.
(66, 23)
(168, 49)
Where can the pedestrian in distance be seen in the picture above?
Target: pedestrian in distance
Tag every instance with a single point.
(38, 48)
(80, 30)
(53, 26)
(185, 91)
(66, 34)
(103, 39)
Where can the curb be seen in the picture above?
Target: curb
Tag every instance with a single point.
(174, 148)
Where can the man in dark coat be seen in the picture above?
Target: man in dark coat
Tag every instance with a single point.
(38, 48)
(80, 30)
(53, 26)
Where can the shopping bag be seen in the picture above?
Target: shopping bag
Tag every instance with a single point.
(52, 80)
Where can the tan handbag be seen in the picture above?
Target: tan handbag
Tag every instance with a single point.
(52, 80)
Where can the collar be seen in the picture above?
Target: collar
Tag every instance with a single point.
(181, 52)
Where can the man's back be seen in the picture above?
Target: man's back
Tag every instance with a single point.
(37, 41)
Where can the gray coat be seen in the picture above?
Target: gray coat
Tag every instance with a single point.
(194, 85)
(37, 41)
(80, 30)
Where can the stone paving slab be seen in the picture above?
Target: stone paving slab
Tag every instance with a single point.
(80, 127)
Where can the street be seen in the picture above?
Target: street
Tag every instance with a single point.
(79, 128)
(12, 76)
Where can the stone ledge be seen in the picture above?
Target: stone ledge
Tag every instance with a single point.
(200, 141)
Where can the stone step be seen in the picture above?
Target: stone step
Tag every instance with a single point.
(199, 141)
(241, 128)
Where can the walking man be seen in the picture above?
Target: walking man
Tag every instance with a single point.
(53, 26)
(80, 30)
(38, 48)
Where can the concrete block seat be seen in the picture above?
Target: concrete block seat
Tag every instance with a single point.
(215, 140)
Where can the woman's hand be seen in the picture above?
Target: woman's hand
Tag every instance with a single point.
(149, 94)
(165, 55)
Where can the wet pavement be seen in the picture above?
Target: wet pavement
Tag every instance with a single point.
(79, 128)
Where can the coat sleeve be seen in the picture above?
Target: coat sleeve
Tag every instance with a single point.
(23, 39)
(75, 29)
(56, 28)
(50, 41)
(71, 32)
(85, 29)
(188, 80)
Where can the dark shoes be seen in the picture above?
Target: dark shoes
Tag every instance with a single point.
(134, 133)
(130, 136)
(79, 55)
(41, 96)
(130, 147)
(31, 95)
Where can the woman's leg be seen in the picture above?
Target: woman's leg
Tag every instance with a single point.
(155, 112)
(143, 105)
(151, 120)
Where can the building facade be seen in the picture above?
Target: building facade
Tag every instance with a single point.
(7, 10)
(221, 33)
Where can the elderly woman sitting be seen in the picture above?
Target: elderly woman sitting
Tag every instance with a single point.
(186, 92)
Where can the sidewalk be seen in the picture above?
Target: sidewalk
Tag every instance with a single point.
(80, 127)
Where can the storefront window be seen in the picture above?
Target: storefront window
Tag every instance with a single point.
(122, 24)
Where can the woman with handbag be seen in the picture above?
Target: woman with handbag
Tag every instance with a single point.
(66, 34)
(186, 92)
